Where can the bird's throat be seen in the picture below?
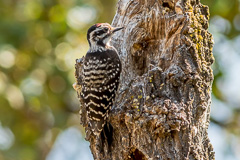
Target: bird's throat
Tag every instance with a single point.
(99, 47)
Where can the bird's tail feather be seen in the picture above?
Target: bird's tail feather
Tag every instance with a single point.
(107, 136)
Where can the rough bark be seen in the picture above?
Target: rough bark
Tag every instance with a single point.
(162, 108)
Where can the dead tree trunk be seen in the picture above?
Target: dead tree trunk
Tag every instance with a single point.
(163, 105)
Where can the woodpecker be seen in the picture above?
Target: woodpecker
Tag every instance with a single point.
(101, 73)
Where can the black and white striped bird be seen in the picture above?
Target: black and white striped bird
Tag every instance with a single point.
(101, 73)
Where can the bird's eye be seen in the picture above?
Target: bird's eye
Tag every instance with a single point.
(105, 29)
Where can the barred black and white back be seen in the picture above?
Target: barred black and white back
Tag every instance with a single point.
(101, 73)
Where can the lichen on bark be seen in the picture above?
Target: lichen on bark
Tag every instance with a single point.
(162, 108)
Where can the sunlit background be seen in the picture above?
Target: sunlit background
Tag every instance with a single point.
(39, 42)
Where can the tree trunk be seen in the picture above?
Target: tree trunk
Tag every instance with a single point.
(162, 108)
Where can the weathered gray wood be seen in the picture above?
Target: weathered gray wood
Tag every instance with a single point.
(162, 108)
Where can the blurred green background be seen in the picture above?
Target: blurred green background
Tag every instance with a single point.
(39, 42)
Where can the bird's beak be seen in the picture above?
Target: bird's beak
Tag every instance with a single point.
(117, 29)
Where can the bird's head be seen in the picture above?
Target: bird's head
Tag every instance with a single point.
(100, 34)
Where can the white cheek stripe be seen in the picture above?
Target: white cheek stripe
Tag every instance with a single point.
(94, 47)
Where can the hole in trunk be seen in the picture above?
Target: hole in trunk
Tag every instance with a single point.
(165, 4)
(137, 155)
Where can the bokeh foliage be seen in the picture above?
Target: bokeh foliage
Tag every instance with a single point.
(229, 32)
(39, 42)
(225, 114)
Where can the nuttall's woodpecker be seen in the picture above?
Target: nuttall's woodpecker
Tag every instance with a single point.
(101, 73)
